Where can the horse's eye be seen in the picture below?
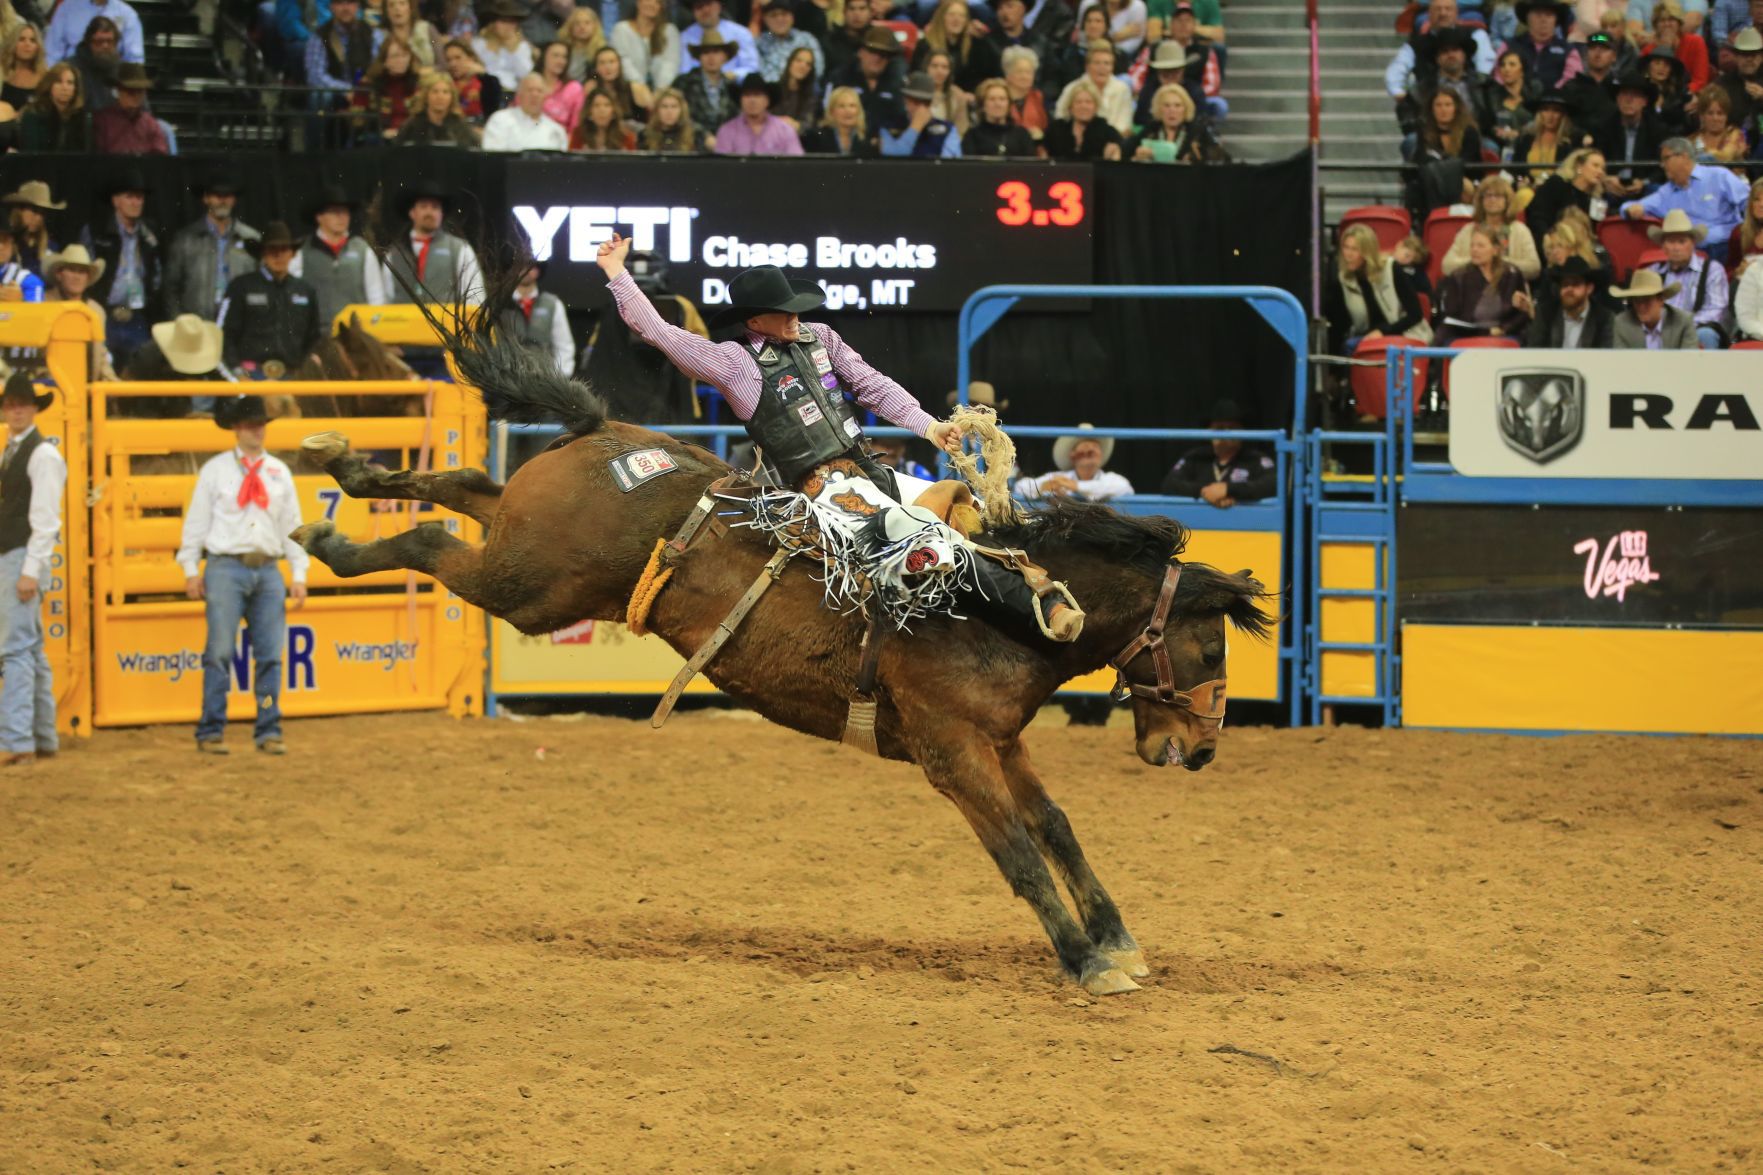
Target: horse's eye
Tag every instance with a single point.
(1213, 658)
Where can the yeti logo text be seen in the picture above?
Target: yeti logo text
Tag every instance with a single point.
(589, 225)
(1541, 412)
(1624, 563)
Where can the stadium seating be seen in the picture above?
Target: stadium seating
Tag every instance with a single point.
(1370, 395)
(1748, 345)
(1442, 227)
(1504, 342)
(906, 31)
(1625, 240)
(1390, 224)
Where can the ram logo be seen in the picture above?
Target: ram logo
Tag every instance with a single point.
(1542, 411)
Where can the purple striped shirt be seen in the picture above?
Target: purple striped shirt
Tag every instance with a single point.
(732, 370)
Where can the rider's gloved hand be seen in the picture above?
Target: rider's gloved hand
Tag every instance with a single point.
(944, 436)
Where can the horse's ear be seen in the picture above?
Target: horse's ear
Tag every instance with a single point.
(1247, 575)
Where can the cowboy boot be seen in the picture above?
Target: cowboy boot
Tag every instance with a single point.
(1006, 591)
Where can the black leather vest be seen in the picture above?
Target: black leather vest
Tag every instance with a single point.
(15, 496)
(803, 418)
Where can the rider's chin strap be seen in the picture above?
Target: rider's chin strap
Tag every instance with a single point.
(1204, 702)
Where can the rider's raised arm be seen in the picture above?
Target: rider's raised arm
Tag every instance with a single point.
(875, 391)
(719, 364)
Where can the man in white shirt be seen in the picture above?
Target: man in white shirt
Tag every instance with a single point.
(1078, 472)
(525, 126)
(32, 478)
(239, 518)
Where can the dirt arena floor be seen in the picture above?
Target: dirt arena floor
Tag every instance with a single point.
(425, 945)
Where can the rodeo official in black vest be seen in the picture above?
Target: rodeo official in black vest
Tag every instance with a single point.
(32, 478)
(791, 384)
(270, 317)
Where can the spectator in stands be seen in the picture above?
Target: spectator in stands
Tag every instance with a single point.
(500, 44)
(1177, 135)
(1631, 142)
(33, 478)
(97, 59)
(1410, 71)
(1208, 16)
(1671, 80)
(22, 65)
(1570, 238)
(648, 45)
(1116, 98)
(1367, 297)
(1012, 31)
(133, 279)
(840, 45)
(1126, 24)
(71, 18)
(923, 136)
(1447, 132)
(540, 322)
(584, 36)
(1701, 282)
(390, 93)
(1481, 298)
(952, 103)
(1591, 94)
(1747, 242)
(877, 79)
(1028, 104)
(1547, 55)
(1743, 83)
(456, 19)
(782, 38)
(1576, 184)
(56, 119)
(563, 97)
(1549, 138)
(17, 284)
(1716, 139)
(1201, 73)
(1573, 321)
(1078, 471)
(1165, 65)
(524, 125)
(429, 259)
(842, 131)
(404, 23)
(1747, 303)
(127, 127)
(68, 277)
(270, 317)
(993, 134)
(1052, 19)
(670, 130)
(600, 128)
(438, 121)
(706, 19)
(1648, 323)
(31, 205)
(339, 266)
(238, 521)
(1410, 257)
(543, 22)
(1712, 196)
(1083, 133)
(1615, 26)
(1451, 66)
(1505, 103)
(1670, 39)
(1224, 471)
(756, 131)
(1640, 16)
(632, 99)
(1493, 206)
(1728, 17)
(480, 94)
(710, 93)
(951, 30)
(339, 53)
(1069, 60)
(798, 92)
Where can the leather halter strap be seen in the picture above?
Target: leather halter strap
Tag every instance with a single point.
(1204, 701)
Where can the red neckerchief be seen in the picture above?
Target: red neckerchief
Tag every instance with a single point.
(252, 491)
(422, 257)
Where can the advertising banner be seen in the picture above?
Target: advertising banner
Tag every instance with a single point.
(1607, 414)
(876, 236)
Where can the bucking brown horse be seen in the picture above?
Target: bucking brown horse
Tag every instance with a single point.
(565, 543)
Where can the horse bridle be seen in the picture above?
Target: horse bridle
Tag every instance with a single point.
(1204, 702)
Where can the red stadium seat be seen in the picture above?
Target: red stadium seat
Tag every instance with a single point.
(1503, 342)
(1442, 227)
(905, 31)
(1748, 345)
(1389, 223)
(1425, 307)
(1625, 240)
(1653, 255)
(1369, 390)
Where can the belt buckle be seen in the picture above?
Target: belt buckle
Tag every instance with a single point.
(121, 313)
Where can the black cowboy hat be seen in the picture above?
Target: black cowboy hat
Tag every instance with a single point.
(1563, 12)
(130, 180)
(1575, 269)
(502, 10)
(765, 290)
(1225, 412)
(1453, 38)
(329, 196)
(275, 236)
(919, 87)
(1551, 98)
(1635, 80)
(422, 189)
(236, 410)
(755, 83)
(21, 385)
(220, 183)
(1679, 70)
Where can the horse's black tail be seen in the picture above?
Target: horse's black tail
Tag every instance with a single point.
(517, 385)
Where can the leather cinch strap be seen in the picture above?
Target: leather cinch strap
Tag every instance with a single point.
(768, 576)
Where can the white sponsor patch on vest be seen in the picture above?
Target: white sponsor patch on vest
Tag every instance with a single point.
(822, 361)
(852, 428)
(810, 412)
(631, 470)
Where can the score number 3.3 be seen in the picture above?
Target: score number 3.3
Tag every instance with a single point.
(1019, 207)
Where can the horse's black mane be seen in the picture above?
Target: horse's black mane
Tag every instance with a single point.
(1147, 543)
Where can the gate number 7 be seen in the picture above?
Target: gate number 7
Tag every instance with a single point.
(330, 498)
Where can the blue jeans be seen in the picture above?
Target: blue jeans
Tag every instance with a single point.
(27, 697)
(1709, 338)
(235, 592)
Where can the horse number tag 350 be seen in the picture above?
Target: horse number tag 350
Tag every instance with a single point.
(631, 470)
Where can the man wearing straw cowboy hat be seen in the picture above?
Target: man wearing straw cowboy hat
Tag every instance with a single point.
(1648, 323)
(270, 318)
(126, 126)
(184, 349)
(236, 531)
(32, 477)
(788, 382)
(1077, 470)
(1703, 296)
(31, 236)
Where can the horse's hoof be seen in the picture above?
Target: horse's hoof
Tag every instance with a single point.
(1131, 961)
(326, 446)
(313, 533)
(1110, 981)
